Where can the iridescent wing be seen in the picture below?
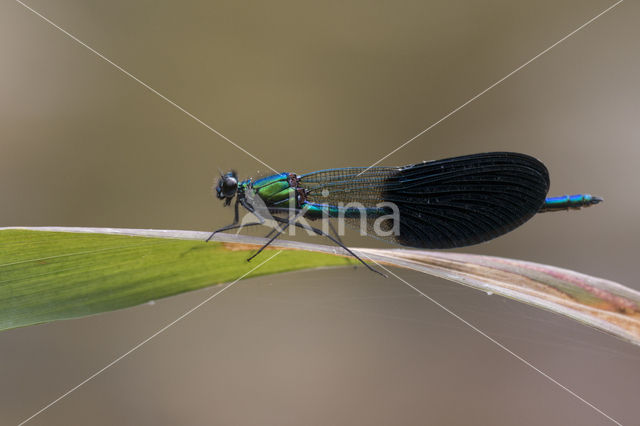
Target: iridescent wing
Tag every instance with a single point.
(446, 203)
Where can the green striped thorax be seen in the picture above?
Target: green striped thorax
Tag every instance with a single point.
(275, 191)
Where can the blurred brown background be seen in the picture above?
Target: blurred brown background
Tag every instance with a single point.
(306, 86)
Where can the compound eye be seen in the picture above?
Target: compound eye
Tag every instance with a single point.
(219, 188)
(230, 185)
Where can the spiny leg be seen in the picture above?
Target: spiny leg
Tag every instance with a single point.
(319, 232)
(236, 218)
(270, 232)
(336, 240)
(300, 211)
(236, 213)
(232, 226)
(281, 210)
(334, 231)
(280, 231)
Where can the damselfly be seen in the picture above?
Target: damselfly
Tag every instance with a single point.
(441, 204)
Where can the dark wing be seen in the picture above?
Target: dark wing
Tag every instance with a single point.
(446, 203)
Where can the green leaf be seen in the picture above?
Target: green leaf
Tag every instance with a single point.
(47, 276)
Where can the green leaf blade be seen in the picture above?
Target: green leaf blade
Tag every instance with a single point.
(48, 276)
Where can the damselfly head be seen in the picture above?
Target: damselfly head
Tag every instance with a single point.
(227, 187)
